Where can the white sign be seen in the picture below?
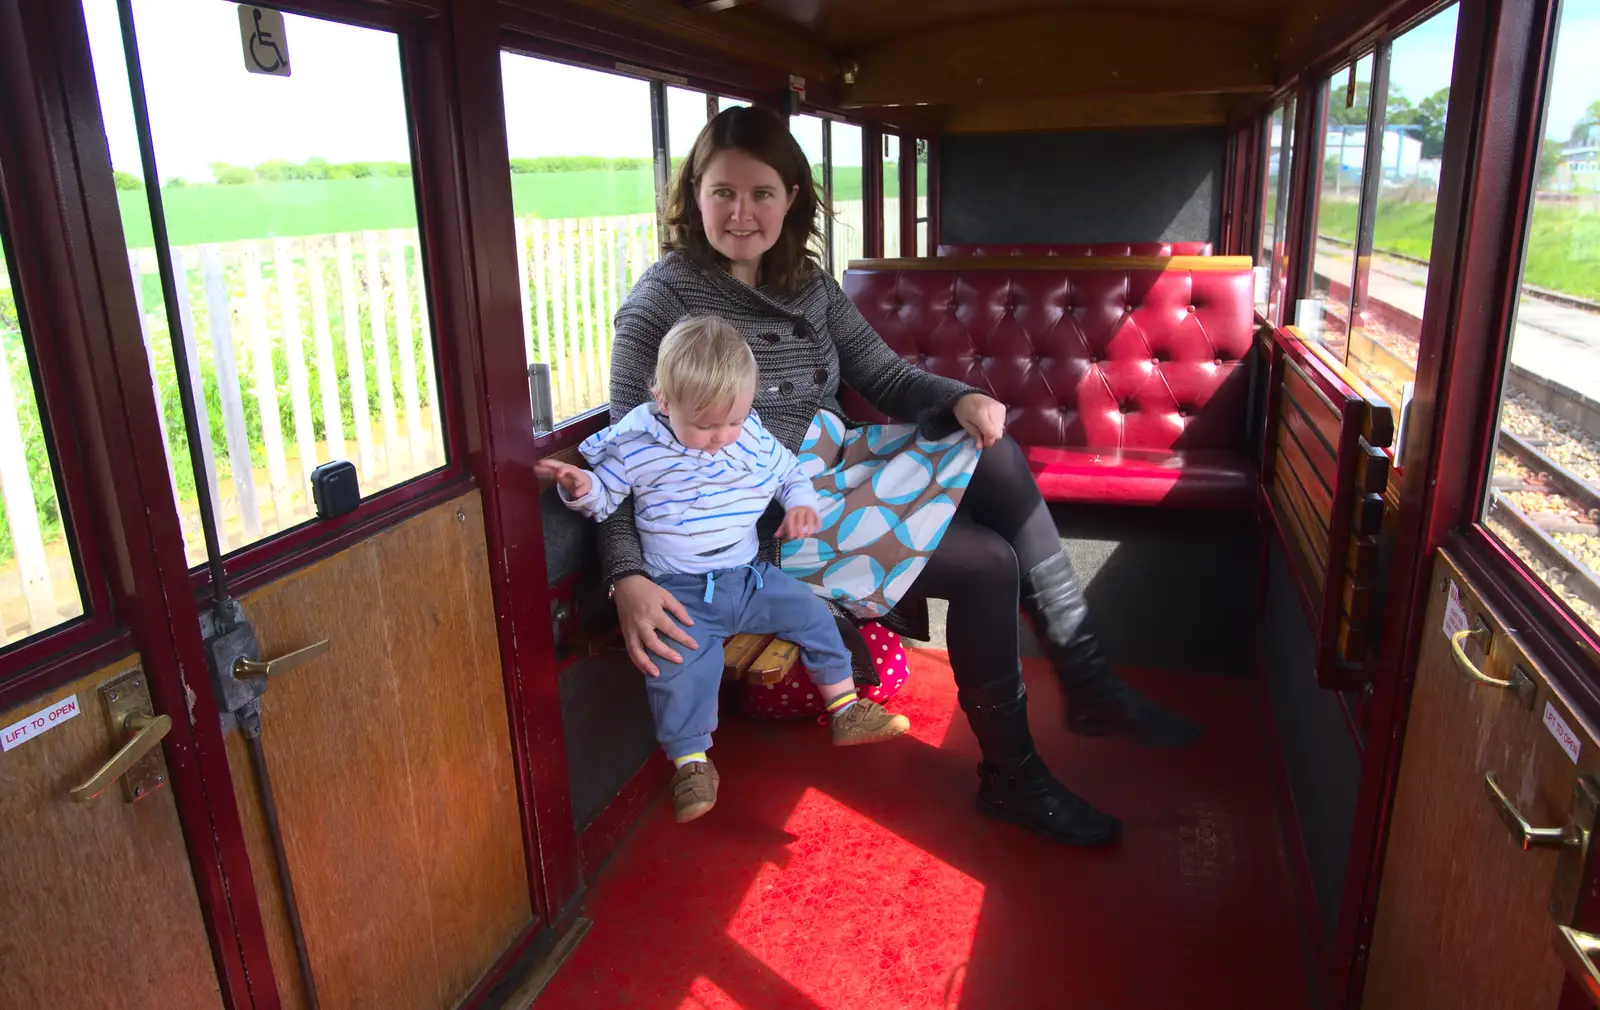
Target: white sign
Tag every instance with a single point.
(1455, 615)
(798, 86)
(266, 47)
(1562, 732)
(42, 721)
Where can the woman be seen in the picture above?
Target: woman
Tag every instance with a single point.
(968, 523)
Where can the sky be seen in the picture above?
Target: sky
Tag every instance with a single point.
(344, 100)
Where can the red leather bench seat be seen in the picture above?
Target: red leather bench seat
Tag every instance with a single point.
(1078, 249)
(1124, 385)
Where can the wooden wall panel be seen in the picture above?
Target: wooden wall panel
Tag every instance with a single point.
(391, 760)
(97, 899)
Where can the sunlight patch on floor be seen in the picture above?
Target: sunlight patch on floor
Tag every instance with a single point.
(897, 920)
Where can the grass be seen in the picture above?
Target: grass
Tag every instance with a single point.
(1563, 247)
(197, 214)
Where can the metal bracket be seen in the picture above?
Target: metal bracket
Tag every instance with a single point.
(125, 695)
(1568, 882)
(229, 637)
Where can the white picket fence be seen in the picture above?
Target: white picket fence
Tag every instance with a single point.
(335, 280)
(246, 307)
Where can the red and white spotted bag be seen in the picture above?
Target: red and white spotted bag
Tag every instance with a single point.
(795, 696)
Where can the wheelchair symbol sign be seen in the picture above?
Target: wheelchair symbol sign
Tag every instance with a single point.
(266, 48)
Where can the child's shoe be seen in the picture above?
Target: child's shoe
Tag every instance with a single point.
(866, 722)
(694, 790)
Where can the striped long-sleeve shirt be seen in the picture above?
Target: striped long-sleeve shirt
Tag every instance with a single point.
(695, 511)
(806, 345)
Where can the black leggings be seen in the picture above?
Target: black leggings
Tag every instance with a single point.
(1002, 530)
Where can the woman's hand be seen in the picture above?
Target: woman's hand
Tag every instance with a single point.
(574, 480)
(800, 521)
(983, 417)
(643, 610)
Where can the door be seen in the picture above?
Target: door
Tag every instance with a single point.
(1497, 795)
(286, 293)
(100, 905)
(95, 891)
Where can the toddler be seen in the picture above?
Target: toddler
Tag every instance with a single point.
(702, 469)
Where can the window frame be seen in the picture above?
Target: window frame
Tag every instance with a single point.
(37, 662)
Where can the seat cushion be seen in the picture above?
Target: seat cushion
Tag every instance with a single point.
(1194, 478)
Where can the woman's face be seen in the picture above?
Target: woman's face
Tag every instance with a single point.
(743, 203)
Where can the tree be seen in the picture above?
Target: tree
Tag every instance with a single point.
(1549, 161)
(231, 175)
(1427, 116)
(1354, 115)
(126, 180)
(1586, 122)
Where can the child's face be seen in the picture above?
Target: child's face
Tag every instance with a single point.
(713, 429)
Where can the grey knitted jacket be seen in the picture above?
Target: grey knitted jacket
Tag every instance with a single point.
(804, 346)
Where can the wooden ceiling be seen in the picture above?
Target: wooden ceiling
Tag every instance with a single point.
(853, 24)
(974, 65)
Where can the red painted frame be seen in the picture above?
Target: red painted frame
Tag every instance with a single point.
(65, 172)
(1501, 48)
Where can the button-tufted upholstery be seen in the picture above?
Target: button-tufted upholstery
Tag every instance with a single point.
(1124, 385)
(1079, 249)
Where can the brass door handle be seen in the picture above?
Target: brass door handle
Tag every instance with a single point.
(243, 667)
(1577, 950)
(1483, 635)
(1526, 835)
(148, 731)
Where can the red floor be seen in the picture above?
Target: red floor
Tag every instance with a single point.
(863, 878)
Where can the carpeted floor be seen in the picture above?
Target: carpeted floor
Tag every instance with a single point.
(854, 879)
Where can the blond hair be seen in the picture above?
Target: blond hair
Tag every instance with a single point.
(703, 365)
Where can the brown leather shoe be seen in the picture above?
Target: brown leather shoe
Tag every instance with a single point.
(866, 722)
(694, 790)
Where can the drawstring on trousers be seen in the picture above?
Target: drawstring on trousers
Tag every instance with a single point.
(711, 580)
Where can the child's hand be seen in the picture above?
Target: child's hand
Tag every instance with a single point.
(573, 480)
(798, 522)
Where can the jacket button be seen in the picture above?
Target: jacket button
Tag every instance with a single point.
(821, 376)
(802, 329)
(786, 387)
(771, 338)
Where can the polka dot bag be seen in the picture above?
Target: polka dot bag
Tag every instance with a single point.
(795, 695)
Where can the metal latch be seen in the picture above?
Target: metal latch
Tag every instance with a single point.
(139, 732)
(239, 675)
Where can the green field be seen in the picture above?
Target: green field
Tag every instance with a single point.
(212, 213)
(1563, 246)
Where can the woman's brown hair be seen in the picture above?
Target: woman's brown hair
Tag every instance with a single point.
(792, 260)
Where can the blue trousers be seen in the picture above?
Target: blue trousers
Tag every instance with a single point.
(752, 598)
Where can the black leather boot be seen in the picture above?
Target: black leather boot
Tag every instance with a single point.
(1013, 783)
(1099, 703)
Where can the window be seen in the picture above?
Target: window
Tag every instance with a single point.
(1395, 247)
(584, 192)
(922, 199)
(724, 102)
(40, 586)
(1542, 500)
(1325, 314)
(300, 281)
(1274, 212)
(688, 112)
(891, 195)
(810, 132)
(849, 209)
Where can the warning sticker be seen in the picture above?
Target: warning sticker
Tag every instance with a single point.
(42, 721)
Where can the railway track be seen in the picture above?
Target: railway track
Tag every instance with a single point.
(1547, 512)
(1553, 515)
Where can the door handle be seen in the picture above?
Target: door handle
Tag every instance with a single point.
(245, 667)
(1577, 950)
(1526, 835)
(1518, 683)
(148, 731)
